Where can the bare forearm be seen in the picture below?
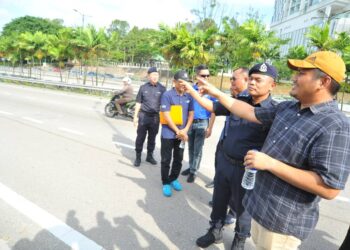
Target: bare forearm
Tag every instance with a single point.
(237, 107)
(137, 109)
(204, 102)
(211, 121)
(189, 120)
(170, 122)
(304, 179)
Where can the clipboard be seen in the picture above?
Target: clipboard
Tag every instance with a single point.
(175, 114)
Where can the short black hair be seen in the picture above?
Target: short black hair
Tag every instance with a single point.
(243, 69)
(201, 67)
(334, 87)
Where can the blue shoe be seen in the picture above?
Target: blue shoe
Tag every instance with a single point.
(167, 190)
(229, 219)
(176, 185)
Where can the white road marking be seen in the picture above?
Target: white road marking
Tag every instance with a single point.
(123, 145)
(32, 120)
(5, 113)
(341, 198)
(59, 229)
(70, 131)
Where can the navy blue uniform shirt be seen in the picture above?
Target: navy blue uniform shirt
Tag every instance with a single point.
(242, 135)
(149, 96)
(171, 97)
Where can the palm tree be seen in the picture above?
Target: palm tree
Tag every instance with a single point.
(319, 37)
(60, 48)
(91, 45)
(187, 48)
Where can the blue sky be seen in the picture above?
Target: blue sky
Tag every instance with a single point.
(141, 13)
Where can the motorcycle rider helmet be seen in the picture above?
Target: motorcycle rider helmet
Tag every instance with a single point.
(127, 80)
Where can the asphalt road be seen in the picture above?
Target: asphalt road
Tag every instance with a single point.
(67, 182)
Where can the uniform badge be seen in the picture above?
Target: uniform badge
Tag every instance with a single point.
(263, 68)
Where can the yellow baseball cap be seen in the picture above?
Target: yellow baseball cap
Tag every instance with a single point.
(327, 61)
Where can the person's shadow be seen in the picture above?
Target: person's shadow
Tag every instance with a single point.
(121, 233)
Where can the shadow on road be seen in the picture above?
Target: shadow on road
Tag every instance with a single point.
(319, 240)
(121, 233)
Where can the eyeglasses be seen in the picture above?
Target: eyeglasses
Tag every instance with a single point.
(205, 76)
(233, 78)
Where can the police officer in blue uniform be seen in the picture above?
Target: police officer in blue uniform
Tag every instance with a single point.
(240, 136)
(146, 116)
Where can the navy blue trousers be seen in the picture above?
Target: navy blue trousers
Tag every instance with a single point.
(228, 191)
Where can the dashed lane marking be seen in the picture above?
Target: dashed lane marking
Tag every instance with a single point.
(68, 130)
(123, 145)
(59, 229)
(5, 113)
(32, 119)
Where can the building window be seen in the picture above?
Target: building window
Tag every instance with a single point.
(314, 2)
(294, 6)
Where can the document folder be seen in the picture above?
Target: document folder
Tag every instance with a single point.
(175, 114)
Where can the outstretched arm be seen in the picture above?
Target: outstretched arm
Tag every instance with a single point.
(235, 106)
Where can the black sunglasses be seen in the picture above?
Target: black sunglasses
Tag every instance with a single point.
(205, 76)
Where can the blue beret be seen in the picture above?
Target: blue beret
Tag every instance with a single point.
(264, 69)
(182, 74)
(151, 70)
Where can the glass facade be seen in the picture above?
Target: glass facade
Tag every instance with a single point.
(294, 6)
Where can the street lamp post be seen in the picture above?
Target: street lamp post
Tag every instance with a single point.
(82, 16)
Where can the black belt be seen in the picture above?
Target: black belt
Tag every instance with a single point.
(199, 120)
(233, 161)
(150, 113)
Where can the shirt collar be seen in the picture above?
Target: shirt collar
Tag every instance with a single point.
(155, 85)
(325, 106)
(244, 93)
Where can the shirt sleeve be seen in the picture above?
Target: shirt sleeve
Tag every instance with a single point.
(191, 104)
(220, 110)
(330, 157)
(266, 115)
(165, 103)
(139, 95)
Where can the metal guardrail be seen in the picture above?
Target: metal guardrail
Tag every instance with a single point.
(58, 84)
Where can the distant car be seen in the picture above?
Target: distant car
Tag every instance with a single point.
(109, 75)
(91, 73)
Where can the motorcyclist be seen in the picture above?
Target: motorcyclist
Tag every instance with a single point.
(127, 94)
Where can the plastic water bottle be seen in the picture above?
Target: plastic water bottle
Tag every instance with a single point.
(248, 180)
(182, 144)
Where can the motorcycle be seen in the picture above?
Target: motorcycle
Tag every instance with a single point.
(128, 108)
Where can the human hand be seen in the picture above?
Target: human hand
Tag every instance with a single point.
(204, 87)
(259, 160)
(208, 133)
(186, 85)
(135, 121)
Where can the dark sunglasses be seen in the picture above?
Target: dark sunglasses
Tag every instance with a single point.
(232, 78)
(205, 76)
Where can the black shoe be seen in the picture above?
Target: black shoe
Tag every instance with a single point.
(150, 159)
(186, 172)
(210, 185)
(191, 177)
(238, 243)
(137, 161)
(214, 235)
(210, 203)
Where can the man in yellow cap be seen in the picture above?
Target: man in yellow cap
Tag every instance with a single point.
(305, 156)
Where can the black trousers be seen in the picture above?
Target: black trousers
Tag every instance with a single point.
(228, 191)
(147, 124)
(170, 150)
(346, 242)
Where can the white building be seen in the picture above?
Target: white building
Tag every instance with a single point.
(292, 19)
